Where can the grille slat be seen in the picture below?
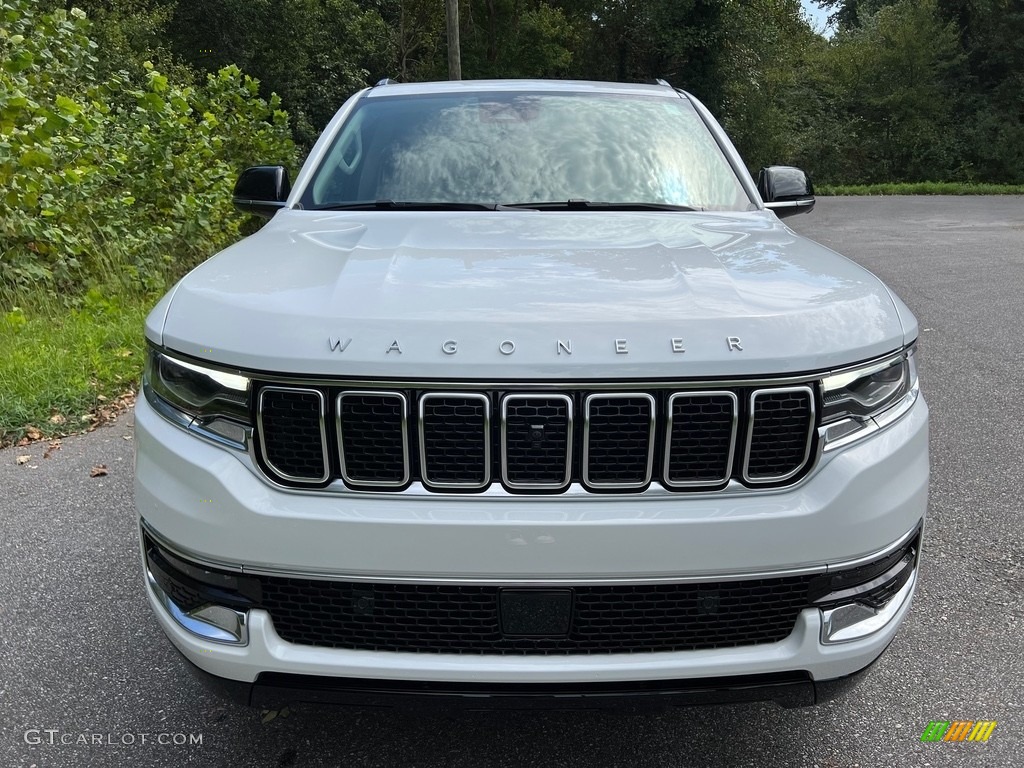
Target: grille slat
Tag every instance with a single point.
(423, 618)
(294, 441)
(618, 440)
(372, 433)
(455, 440)
(702, 439)
(781, 425)
(536, 441)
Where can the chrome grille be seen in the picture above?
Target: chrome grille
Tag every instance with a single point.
(373, 446)
(455, 440)
(618, 440)
(536, 434)
(292, 435)
(701, 437)
(779, 441)
(541, 441)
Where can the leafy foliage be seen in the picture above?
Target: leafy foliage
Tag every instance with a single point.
(121, 178)
(313, 53)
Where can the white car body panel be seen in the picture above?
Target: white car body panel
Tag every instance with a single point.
(398, 290)
(842, 512)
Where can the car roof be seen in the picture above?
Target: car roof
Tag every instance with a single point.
(565, 86)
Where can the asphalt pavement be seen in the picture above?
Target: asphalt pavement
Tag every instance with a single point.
(87, 678)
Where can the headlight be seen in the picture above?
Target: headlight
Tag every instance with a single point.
(853, 400)
(203, 398)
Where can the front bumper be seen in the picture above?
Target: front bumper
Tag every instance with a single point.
(275, 691)
(207, 503)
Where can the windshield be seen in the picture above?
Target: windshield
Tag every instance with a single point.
(515, 148)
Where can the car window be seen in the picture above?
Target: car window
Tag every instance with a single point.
(527, 147)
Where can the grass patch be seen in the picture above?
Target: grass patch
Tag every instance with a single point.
(60, 366)
(919, 188)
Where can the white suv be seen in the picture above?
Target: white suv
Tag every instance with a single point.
(525, 393)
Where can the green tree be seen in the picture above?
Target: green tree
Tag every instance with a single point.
(516, 38)
(885, 105)
(768, 97)
(991, 111)
(313, 53)
(418, 42)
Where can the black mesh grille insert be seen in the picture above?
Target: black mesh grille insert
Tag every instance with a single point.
(466, 619)
(372, 429)
(618, 439)
(779, 434)
(537, 440)
(455, 440)
(701, 440)
(292, 432)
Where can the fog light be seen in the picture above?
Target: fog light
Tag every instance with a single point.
(216, 623)
(856, 620)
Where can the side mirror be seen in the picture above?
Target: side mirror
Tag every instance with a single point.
(785, 190)
(262, 190)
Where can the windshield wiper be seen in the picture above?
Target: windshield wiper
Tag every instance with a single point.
(586, 205)
(567, 205)
(404, 205)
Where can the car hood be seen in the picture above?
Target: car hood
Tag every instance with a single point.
(520, 294)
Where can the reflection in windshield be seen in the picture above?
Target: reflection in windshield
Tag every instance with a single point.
(520, 148)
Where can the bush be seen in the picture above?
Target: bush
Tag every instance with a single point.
(124, 180)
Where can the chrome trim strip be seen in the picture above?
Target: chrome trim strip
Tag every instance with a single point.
(407, 471)
(808, 440)
(567, 477)
(872, 425)
(424, 464)
(585, 469)
(898, 409)
(193, 623)
(177, 417)
(198, 559)
(783, 205)
(191, 425)
(323, 434)
(496, 491)
(901, 542)
(854, 621)
(850, 594)
(539, 385)
(668, 440)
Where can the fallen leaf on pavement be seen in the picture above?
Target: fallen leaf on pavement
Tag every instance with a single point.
(22, 459)
(54, 446)
(98, 471)
(270, 714)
